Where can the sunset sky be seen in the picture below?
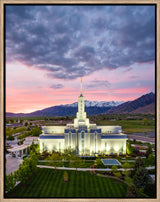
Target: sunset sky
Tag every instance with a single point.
(49, 48)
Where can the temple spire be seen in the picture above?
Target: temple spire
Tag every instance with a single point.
(81, 86)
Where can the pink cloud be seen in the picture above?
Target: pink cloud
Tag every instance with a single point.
(29, 89)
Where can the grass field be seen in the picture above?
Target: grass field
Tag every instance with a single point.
(47, 183)
(66, 164)
(131, 126)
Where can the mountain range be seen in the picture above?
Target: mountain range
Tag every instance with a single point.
(144, 104)
(96, 104)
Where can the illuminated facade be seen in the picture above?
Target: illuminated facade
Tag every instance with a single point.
(81, 136)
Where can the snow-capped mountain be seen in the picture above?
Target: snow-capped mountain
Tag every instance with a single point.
(143, 104)
(96, 104)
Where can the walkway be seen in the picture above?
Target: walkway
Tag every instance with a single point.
(12, 164)
(89, 169)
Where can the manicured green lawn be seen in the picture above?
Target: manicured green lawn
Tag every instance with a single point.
(47, 183)
(66, 164)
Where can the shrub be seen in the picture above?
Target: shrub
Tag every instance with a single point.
(129, 148)
(10, 137)
(114, 168)
(117, 174)
(65, 176)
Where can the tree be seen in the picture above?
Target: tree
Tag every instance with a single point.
(145, 121)
(114, 168)
(68, 152)
(10, 182)
(33, 148)
(125, 166)
(26, 134)
(32, 162)
(24, 172)
(151, 159)
(129, 148)
(27, 168)
(55, 160)
(118, 174)
(141, 178)
(135, 151)
(36, 131)
(149, 151)
(75, 161)
(20, 137)
(139, 163)
(26, 124)
(98, 163)
(10, 137)
(20, 129)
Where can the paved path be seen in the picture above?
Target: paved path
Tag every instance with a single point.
(12, 164)
(89, 169)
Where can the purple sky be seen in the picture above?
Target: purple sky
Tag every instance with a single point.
(49, 48)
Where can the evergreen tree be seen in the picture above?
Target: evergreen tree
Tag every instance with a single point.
(139, 163)
(149, 151)
(141, 178)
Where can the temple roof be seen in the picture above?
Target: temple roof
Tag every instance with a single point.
(114, 136)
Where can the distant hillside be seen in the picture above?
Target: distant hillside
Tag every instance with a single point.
(148, 109)
(61, 111)
(144, 104)
(68, 111)
(91, 107)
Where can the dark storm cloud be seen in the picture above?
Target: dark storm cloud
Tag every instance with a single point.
(74, 41)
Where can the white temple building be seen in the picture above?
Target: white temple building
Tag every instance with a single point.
(82, 136)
